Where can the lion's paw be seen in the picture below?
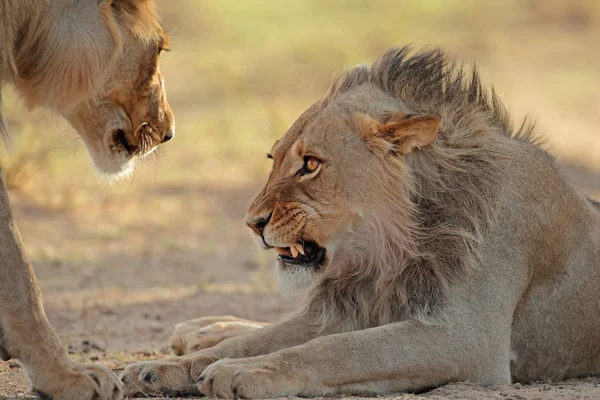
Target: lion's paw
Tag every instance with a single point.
(249, 378)
(203, 333)
(170, 378)
(83, 382)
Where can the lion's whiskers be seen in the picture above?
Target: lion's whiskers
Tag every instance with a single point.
(144, 134)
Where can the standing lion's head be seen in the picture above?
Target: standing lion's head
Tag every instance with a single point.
(96, 63)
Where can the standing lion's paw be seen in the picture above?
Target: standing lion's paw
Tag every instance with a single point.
(83, 382)
(171, 378)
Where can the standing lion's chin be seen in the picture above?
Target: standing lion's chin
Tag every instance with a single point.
(110, 158)
(102, 129)
(116, 168)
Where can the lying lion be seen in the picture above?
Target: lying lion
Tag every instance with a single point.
(441, 245)
(96, 63)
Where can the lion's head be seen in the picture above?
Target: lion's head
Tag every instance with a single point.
(380, 191)
(96, 63)
(335, 168)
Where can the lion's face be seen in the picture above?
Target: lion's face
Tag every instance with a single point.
(96, 64)
(133, 117)
(303, 207)
(326, 179)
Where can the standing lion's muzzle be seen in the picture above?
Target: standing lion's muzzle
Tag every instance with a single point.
(170, 134)
(146, 137)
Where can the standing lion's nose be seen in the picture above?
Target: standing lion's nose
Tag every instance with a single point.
(258, 224)
(169, 135)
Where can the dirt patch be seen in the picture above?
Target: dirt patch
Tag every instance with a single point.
(14, 386)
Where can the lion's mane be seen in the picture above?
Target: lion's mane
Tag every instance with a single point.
(427, 221)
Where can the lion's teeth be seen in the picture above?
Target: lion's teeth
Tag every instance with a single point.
(296, 249)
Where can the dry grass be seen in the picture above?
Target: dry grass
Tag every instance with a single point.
(241, 72)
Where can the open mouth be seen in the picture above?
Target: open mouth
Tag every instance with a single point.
(306, 254)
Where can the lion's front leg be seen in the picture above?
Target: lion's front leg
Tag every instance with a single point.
(405, 356)
(182, 374)
(28, 337)
(27, 334)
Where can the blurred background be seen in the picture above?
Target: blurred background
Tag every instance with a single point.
(120, 263)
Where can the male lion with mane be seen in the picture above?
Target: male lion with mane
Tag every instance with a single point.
(95, 62)
(441, 244)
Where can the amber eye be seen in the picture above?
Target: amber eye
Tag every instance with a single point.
(312, 164)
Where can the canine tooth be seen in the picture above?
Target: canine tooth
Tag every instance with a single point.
(294, 250)
(300, 249)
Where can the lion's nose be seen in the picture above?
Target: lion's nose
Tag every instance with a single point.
(258, 224)
(169, 135)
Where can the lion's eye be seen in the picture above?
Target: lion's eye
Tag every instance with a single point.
(312, 164)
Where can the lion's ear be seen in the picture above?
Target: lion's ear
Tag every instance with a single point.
(401, 134)
(138, 16)
(129, 6)
(410, 133)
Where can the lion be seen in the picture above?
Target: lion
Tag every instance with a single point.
(95, 62)
(439, 243)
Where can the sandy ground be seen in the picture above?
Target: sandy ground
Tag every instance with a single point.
(120, 305)
(13, 384)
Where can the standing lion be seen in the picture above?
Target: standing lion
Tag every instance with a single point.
(440, 244)
(95, 62)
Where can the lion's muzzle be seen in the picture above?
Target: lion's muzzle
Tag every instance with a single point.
(283, 230)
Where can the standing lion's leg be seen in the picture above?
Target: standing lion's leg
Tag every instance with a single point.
(26, 332)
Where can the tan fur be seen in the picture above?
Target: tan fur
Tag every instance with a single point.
(202, 333)
(96, 63)
(462, 256)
